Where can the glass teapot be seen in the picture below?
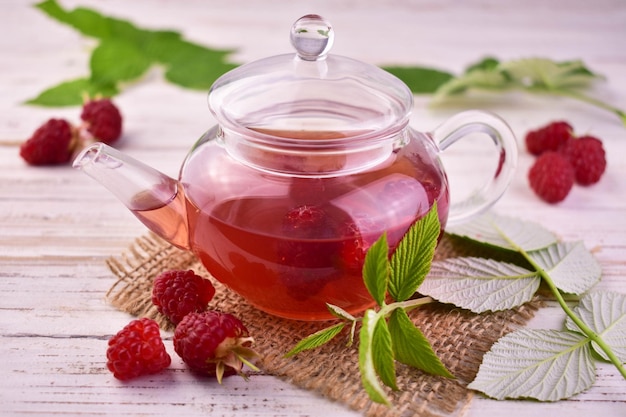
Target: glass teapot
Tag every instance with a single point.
(311, 161)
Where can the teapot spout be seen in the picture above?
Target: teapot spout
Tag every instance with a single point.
(153, 197)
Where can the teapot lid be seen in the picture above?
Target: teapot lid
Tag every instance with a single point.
(311, 90)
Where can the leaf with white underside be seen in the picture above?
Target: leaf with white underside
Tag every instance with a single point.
(505, 232)
(480, 284)
(339, 312)
(546, 365)
(605, 313)
(571, 266)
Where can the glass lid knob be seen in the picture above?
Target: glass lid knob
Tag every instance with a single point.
(312, 36)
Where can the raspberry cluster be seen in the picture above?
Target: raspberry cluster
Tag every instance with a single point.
(209, 342)
(54, 142)
(563, 160)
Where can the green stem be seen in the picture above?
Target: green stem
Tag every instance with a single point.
(590, 100)
(407, 305)
(593, 336)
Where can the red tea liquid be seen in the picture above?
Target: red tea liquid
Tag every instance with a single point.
(240, 223)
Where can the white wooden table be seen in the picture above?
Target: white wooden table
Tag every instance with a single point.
(57, 227)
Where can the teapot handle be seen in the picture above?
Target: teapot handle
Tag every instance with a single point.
(480, 122)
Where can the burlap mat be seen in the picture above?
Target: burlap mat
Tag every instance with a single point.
(460, 338)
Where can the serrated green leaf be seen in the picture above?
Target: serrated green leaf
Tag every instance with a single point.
(369, 378)
(198, 71)
(605, 313)
(376, 269)
(340, 312)
(382, 354)
(126, 52)
(505, 232)
(486, 64)
(546, 365)
(572, 268)
(116, 60)
(88, 23)
(411, 347)
(316, 339)
(420, 80)
(480, 284)
(412, 258)
(93, 24)
(72, 93)
(163, 46)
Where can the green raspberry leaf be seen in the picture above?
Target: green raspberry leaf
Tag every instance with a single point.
(376, 269)
(420, 80)
(412, 258)
(194, 66)
(90, 23)
(411, 347)
(126, 52)
(316, 339)
(367, 366)
(383, 354)
(116, 60)
(486, 64)
(72, 93)
(546, 365)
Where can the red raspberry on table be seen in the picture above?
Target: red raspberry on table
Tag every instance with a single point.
(551, 177)
(214, 344)
(549, 138)
(51, 144)
(137, 350)
(178, 293)
(103, 120)
(588, 158)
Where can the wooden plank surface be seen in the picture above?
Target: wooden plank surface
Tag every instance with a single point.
(57, 227)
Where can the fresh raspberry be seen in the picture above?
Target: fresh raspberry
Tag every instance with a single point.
(549, 138)
(213, 343)
(103, 120)
(551, 176)
(51, 144)
(178, 293)
(137, 350)
(588, 158)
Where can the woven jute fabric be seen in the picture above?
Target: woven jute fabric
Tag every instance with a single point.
(458, 337)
